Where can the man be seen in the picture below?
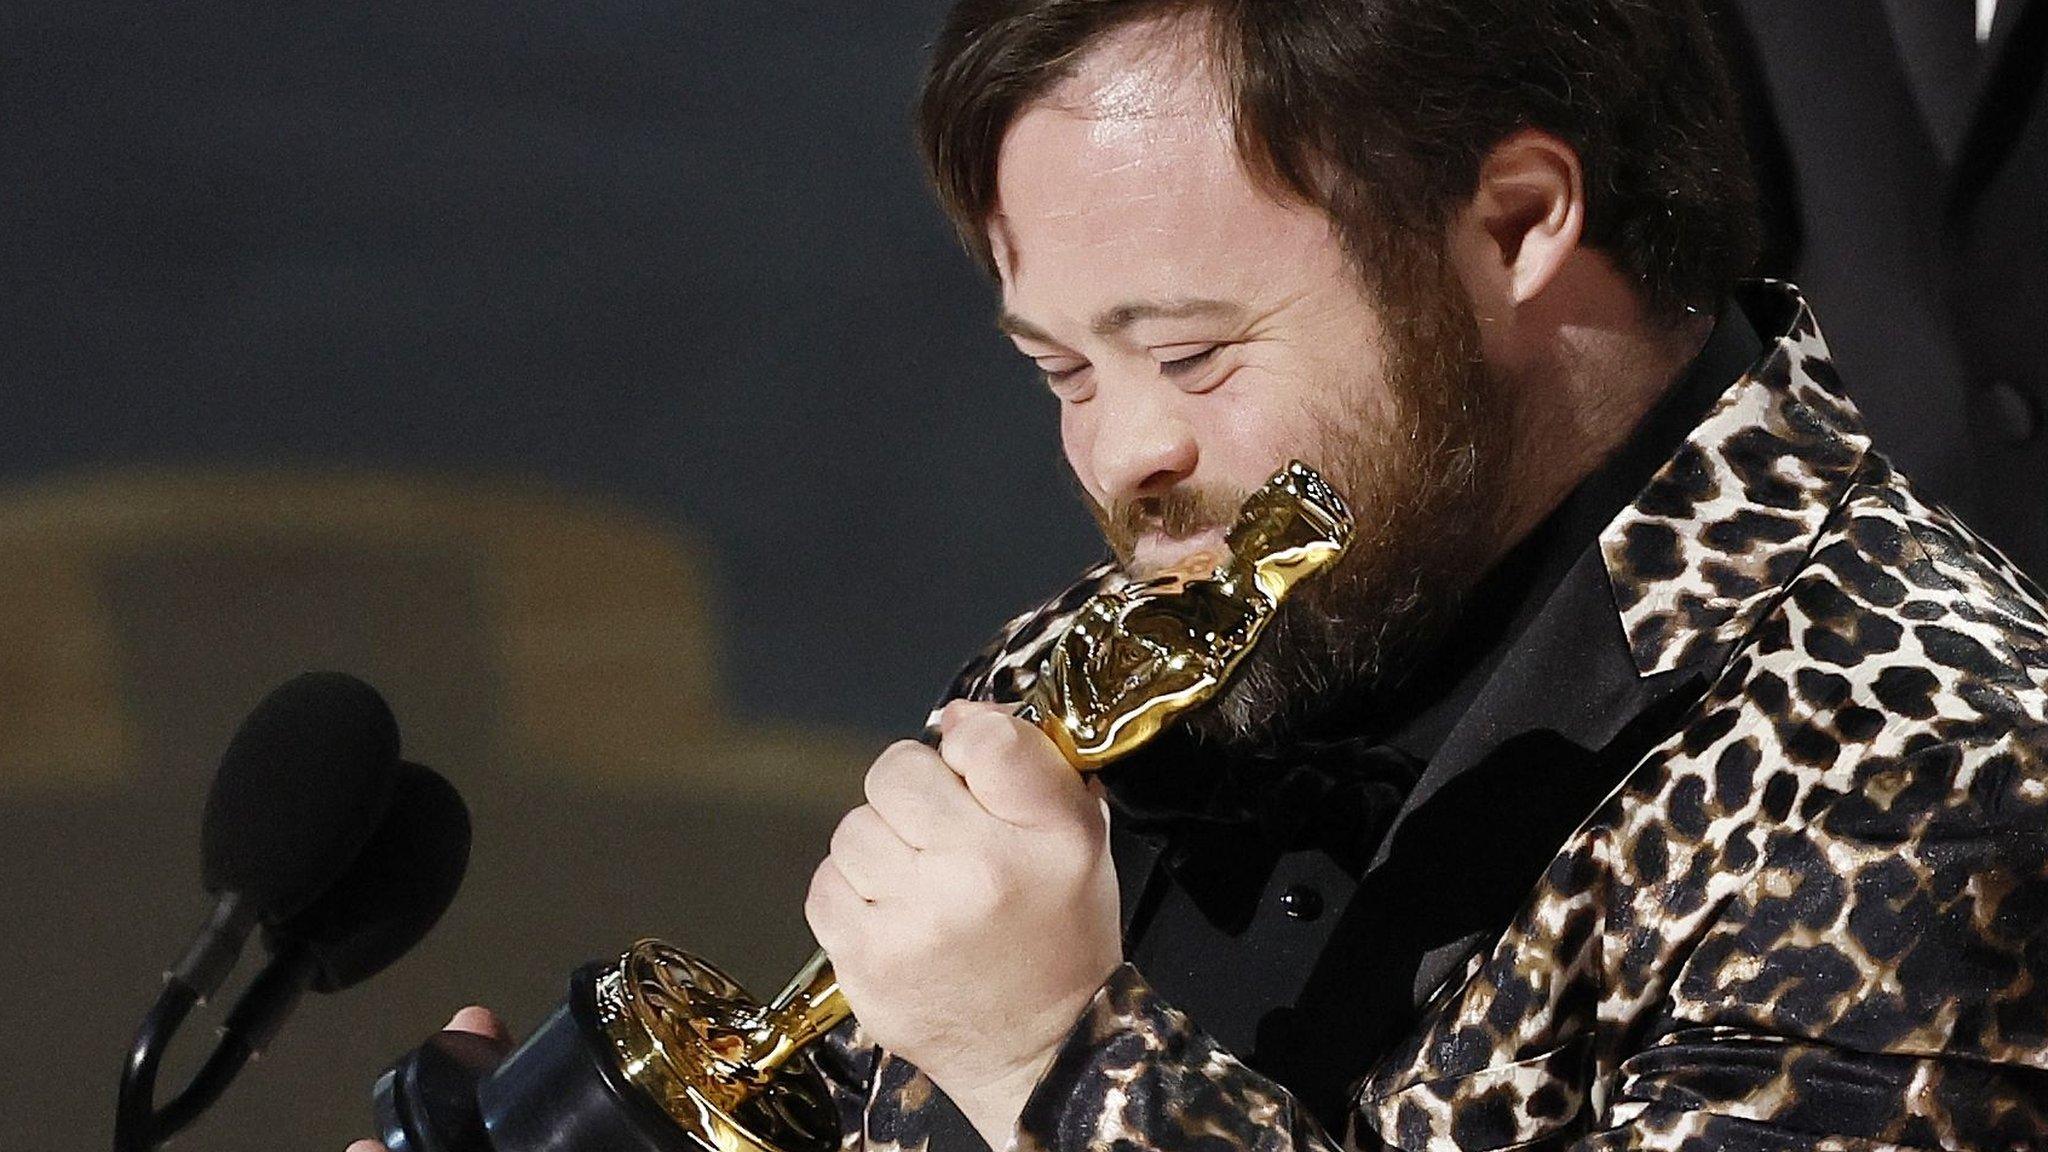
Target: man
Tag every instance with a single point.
(1903, 148)
(1657, 770)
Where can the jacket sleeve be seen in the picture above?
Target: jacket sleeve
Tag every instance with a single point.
(1880, 982)
(846, 1062)
(885, 1104)
(1877, 981)
(1868, 969)
(1135, 1074)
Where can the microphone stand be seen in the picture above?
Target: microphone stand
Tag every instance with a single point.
(133, 1113)
(139, 1126)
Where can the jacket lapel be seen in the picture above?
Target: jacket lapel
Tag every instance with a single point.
(1973, 99)
(2003, 26)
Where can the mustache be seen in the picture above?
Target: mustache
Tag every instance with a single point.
(1177, 512)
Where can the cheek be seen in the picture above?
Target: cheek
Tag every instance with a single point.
(1250, 431)
(1076, 441)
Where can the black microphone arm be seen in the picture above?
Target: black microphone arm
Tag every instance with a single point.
(218, 946)
(406, 876)
(194, 979)
(250, 1027)
(253, 1022)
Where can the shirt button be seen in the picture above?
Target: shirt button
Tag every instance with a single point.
(1301, 902)
(2014, 415)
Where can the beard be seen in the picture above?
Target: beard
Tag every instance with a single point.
(1425, 493)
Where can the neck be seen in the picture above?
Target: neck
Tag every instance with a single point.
(1601, 369)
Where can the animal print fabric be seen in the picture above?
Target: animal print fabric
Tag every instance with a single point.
(1815, 916)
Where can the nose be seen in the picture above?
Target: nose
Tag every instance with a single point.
(1139, 443)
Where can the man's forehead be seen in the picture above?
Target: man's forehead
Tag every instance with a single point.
(1132, 142)
(1148, 70)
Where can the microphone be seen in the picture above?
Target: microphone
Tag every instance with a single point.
(307, 782)
(405, 877)
(401, 883)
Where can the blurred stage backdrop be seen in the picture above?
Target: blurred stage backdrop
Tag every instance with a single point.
(592, 377)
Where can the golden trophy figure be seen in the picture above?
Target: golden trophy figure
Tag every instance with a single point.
(660, 1051)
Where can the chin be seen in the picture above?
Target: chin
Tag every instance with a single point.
(1299, 679)
(1332, 659)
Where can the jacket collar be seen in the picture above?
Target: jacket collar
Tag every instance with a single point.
(1704, 550)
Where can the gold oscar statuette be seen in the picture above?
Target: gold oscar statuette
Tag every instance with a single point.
(717, 1061)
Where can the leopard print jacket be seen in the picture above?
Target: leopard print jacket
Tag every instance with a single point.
(1814, 916)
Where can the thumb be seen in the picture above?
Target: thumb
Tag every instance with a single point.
(482, 1022)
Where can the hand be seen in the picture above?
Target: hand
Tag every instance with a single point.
(479, 1021)
(970, 907)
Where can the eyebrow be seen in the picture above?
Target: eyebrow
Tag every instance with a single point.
(1111, 321)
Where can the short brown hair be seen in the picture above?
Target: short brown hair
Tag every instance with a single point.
(1380, 113)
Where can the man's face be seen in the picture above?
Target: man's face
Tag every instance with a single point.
(1196, 332)
(1199, 333)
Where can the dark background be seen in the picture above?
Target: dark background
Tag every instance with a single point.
(677, 254)
(487, 281)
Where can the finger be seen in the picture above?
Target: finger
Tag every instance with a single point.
(831, 906)
(919, 796)
(1012, 770)
(367, 1146)
(482, 1021)
(870, 854)
(957, 711)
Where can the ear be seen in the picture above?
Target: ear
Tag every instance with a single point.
(1524, 221)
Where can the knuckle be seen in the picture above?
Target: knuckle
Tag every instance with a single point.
(891, 756)
(846, 834)
(1083, 854)
(905, 750)
(999, 729)
(818, 908)
(980, 739)
(1083, 818)
(894, 768)
(982, 886)
(1066, 842)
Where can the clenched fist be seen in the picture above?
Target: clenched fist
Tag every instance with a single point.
(970, 907)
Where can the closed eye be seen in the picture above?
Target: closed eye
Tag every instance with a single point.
(1065, 378)
(1187, 365)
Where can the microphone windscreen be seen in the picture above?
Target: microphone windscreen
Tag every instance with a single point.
(303, 784)
(402, 881)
